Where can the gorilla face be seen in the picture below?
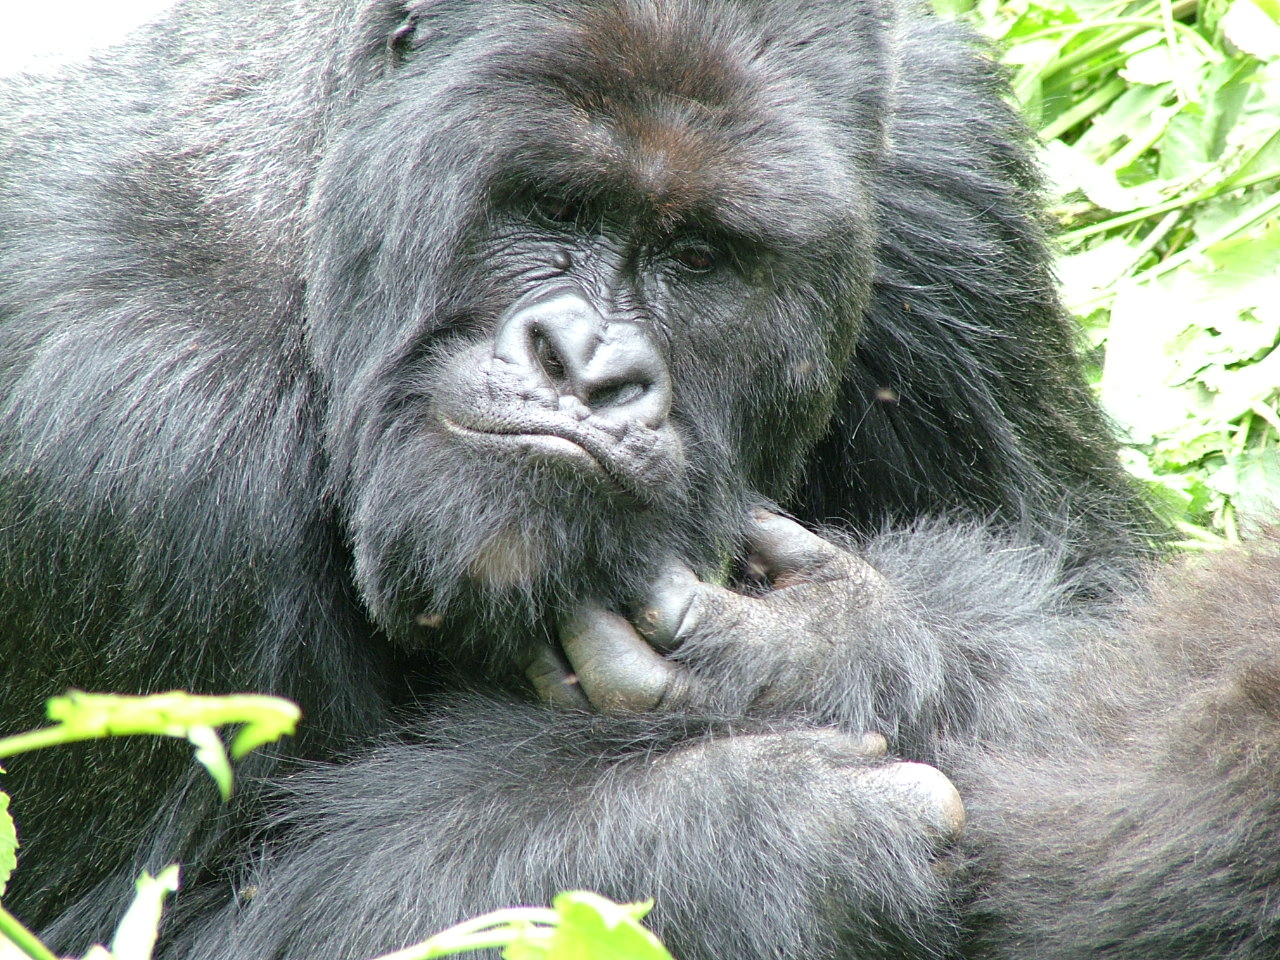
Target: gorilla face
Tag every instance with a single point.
(582, 307)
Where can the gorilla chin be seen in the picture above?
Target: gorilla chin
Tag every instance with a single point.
(558, 509)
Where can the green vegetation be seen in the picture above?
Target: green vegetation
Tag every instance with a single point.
(1161, 124)
(577, 926)
(90, 716)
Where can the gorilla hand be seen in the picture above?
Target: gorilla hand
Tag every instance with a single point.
(694, 644)
(925, 635)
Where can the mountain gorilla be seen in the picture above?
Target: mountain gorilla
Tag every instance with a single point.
(478, 374)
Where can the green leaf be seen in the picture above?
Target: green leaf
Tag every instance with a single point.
(1251, 258)
(91, 715)
(1161, 64)
(1038, 17)
(1196, 443)
(1271, 8)
(953, 8)
(1260, 156)
(1136, 387)
(1086, 273)
(212, 755)
(1252, 26)
(8, 842)
(1185, 146)
(1128, 112)
(136, 935)
(1071, 169)
(1227, 90)
(1257, 477)
(1237, 391)
(592, 927)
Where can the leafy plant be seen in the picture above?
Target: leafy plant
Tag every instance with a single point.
(1161, 130)
(89, 716)
(578, 926)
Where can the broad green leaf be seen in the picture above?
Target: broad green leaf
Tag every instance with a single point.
(1135, 386)
(1038, 17)
(1253, 257)
(1070, 168)
(1237, 391)
(1185, 146)
(1257, 480)
(1034, 52)
(1086, 273)
(1195, 442)
(1253, 27)
(1160, 64)
(592, 928)
(1226, 90)
(1260, 156)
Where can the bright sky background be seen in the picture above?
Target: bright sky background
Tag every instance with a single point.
(42, 32)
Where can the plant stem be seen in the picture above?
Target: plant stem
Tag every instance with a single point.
(36, 740)
(495, 929)
(22, 938)
(1070, 237)
(1084, 109)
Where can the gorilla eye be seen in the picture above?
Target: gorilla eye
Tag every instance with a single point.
(558, 211)
(696, 256)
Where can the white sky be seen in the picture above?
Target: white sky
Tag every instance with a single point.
(36, 32)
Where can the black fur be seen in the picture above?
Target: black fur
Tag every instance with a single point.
(253, 261)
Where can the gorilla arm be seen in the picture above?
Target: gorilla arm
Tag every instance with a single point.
(939, 631)
(752, 840)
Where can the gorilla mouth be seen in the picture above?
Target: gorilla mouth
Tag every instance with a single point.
(561, 384)
(634, 458)
(557, 443)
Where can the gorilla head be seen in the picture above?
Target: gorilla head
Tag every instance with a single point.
(594, 340)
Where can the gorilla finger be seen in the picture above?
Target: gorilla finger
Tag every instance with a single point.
(782, 548)
(554, 681)
(661, 619)
(617, 670)
(925, 793)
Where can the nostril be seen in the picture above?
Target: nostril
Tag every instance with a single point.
(616, 394)
(612, 370)
(549, 358)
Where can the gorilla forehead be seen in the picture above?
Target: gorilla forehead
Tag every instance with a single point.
(682, 113)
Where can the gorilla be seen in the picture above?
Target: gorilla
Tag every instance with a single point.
(645, 438)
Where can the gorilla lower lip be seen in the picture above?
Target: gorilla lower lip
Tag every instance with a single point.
(553, 445)
(634, 459)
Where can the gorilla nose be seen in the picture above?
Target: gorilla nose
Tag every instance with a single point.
(604, 368)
